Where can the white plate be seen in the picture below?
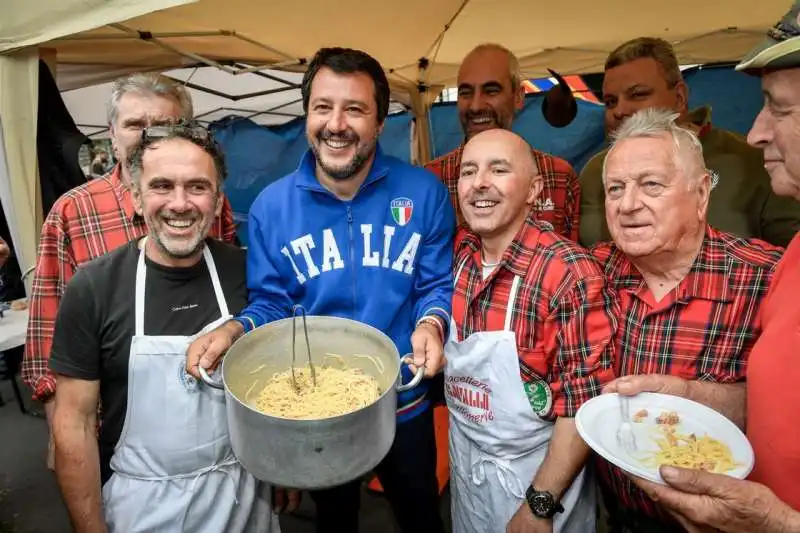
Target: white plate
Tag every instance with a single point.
(598, 419)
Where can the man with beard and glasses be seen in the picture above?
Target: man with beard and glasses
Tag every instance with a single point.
(98, 217)
(490, 92)
(357, 234)
(121, 335)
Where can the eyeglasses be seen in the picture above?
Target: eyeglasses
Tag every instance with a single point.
(191, 129)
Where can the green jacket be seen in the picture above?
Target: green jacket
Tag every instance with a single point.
(742, 202)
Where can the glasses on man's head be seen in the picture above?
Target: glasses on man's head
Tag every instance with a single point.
(191, 129)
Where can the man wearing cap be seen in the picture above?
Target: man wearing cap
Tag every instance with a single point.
(769, 502)
(490, 92)
(644, 73)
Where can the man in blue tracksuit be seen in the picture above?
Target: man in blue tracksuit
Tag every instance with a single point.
(357, 234)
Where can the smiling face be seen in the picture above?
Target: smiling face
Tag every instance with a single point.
(498, 184)
(653, 202)
(342, 126)
(776, 130)
(487, 98)
(178, 195)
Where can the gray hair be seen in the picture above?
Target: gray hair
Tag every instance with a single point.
(654, 122)
(514, 70)
(150, 83)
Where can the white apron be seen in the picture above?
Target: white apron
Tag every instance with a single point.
(497, 441)
(174, 470)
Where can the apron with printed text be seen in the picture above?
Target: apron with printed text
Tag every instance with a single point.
(497, 439)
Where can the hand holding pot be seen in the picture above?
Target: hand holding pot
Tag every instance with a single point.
(207, 350)
(426, 341)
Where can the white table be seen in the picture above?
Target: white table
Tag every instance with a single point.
(13, 326)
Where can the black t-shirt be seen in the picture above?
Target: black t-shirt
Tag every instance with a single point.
(95, 322)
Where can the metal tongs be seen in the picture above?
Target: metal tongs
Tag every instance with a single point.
(308, 346)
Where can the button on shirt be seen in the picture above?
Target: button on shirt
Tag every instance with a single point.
(563, 315)
(86, 222)
(558, 203)
(704, 329)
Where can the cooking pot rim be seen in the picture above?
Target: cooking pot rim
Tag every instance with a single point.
(311, 318)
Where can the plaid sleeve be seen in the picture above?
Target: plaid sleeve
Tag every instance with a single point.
(55, 266)
(584, 321)
(226, 228)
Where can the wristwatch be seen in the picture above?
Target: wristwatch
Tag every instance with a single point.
(542, 503)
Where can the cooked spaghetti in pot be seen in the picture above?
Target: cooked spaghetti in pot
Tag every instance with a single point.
(339, 390)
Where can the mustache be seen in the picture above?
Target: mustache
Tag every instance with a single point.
(347, 136)
(490, 113)
(174, 215)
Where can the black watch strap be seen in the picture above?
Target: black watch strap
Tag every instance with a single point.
(542, 503)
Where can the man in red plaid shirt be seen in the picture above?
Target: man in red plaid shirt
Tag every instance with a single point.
(690, 295)
(531, 340)
(490, 92)
(98, 217)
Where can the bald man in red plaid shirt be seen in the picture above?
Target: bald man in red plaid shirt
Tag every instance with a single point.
(690, 295)
(531, 341)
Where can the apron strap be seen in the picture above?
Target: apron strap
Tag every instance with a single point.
(212, 268)
(141, 274)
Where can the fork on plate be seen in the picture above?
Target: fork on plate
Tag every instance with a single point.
(625, 437)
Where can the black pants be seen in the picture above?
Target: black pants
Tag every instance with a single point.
(408, 477)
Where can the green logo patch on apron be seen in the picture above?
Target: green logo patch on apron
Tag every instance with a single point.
(540, 396)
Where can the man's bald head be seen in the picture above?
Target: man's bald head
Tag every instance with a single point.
(503, 141)
(498, 184)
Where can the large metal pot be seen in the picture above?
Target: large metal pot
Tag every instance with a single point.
(309, 454)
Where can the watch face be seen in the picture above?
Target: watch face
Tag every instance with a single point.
(541, 503)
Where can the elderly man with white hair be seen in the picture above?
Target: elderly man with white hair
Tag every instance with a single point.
(689, 294)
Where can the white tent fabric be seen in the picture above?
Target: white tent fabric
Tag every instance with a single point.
(20, 194)
(27, 23)
(570, 37)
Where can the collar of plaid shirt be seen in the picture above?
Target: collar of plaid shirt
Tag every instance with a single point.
(122, 192)
(517, 256)
(708, 279)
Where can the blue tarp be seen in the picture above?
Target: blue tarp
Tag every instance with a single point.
(257, 155)
(576, 143)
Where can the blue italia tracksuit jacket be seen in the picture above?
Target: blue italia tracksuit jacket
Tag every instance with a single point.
(383, 258)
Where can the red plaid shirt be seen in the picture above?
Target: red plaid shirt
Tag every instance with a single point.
(86, 222)
(563, 316)
(703, 330)
(558, 203)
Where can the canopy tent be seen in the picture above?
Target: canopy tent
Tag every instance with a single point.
(419, 42)
(267, 97)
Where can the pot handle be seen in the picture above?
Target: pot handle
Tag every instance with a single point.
(208, 381)
(414, 382)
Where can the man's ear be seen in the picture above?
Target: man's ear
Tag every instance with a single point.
(136, 196)
(535, 189)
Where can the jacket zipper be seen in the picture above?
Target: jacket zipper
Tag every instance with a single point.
(352, 258)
